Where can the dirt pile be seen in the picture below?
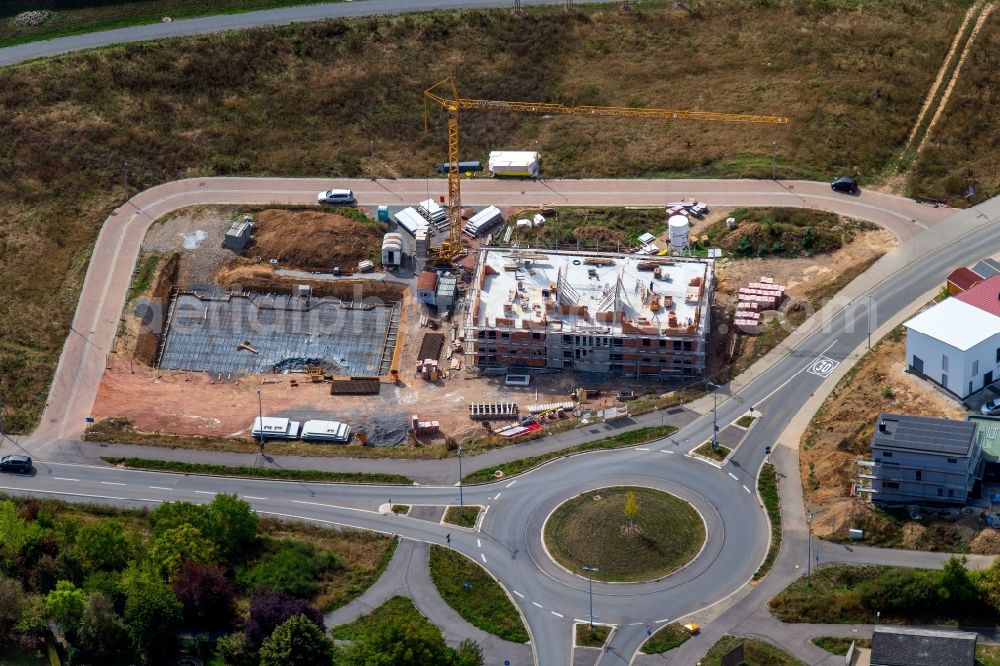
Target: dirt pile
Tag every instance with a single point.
(839, 518)
(986, 542)
(262, 278)
(314, 240)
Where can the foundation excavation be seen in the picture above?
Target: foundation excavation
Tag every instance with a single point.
(606, 313)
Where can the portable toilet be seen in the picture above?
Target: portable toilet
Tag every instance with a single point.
(383, 213)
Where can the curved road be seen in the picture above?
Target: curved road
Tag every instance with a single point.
(508, 542)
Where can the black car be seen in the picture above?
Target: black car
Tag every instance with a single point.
(15, 463)
(845, 184)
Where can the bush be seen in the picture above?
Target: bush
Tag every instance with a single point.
(296, 642)
(293, 568)
(102, 545)
(153, 616)
(208, 597)
(269, 609)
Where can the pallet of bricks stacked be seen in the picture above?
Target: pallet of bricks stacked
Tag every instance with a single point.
(755, 299)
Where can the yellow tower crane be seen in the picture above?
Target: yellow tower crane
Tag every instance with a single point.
(445, 94)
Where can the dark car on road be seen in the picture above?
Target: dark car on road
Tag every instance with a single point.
(845, 184)
(15, 463)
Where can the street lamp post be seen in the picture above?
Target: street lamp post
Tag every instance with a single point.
(372, 141)
(809, 521)
(869, 322)
(126, 180)
(590, 586)
(461, 499)
(715, 409)
(260, 421)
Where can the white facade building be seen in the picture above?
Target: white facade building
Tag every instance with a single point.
(956, 343)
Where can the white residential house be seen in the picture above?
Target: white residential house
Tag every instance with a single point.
(956, 343)
(923, 460)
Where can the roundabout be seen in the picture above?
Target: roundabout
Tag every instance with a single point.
(628, 534)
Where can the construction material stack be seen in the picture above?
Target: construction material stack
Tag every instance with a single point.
(755, 299)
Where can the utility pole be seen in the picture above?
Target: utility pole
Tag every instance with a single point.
(372, 140)
(126, 180)
(774, 158)
(1, 417)
(809, 522)
(461, 499)
(869, 322)
(715, 410)
(590, 586)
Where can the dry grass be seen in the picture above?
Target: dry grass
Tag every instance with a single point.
(850, 75)
(961, 149)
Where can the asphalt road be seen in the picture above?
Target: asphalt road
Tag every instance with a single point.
(509, 542)
(270, 17)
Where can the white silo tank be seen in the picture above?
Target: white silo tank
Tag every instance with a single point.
(678, 226)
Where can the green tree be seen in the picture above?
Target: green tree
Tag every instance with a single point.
(103, 545)
(296, 642)
(15, 533)
(631, 509)
(232, 526)
(12, 604)
(174, 514)
(176, 545)
(153, 617)
(469, 653)
(987, 582)
(65, 605)
(398, 644)
(956, 588)
(102, 638)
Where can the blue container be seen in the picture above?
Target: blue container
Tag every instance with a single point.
(383, 213)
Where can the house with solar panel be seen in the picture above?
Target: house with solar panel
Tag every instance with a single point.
(923, 460)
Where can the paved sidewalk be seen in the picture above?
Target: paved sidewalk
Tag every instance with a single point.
(408, 575)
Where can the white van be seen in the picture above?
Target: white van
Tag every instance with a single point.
(335, 197)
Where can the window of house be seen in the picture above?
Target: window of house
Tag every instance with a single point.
(568, 354)
(645, 342)
(536, 336)
(940, 492)
(890, 484)
(887, 454)
(567, 339)
(920, 475)
(975, 367)
(952, 460)
(504, 334)
(944, 362)
(951, 492)
(998, 354)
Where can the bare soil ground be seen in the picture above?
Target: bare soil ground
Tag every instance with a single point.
(840, 433)
(196, 235)
(314, 240)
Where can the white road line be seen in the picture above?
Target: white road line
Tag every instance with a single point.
(253, 497)
(518, 594)
(665, 451)
(57, 492)
(666, 619)
(483, 556)
(334, 506)
(497, 497)
(159, 488)
(635, 624)
(511, 483)
(642, 449)
(747, 489)
(111, 483)
(557, 614)
(204, 492)
(735, 478)
(535, 603)
(62, 478)
(479, 543)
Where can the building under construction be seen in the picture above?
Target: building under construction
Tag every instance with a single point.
(590, 312)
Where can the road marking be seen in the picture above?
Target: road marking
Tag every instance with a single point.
(642, 449)
(747, 489)
(734, 476)
(785, 383)
(635, 624)
(511, 483)
(665, 451)
(497, 497)
(666, 619)
(159, 488)
(479, 543)
(112, 483)
(483, 556)
(204, 492)
(334, 506)
(62, 478)
(518, 594)
(107, 497)
(823, 366)
(557, 614)
(535, 603)
(252, 497)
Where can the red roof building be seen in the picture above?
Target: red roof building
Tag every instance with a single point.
(985, 296)
(962, 279)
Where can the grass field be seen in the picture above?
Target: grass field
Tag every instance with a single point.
(485, 605)
(467, 518)
(667, 637)
(259, 472)
(592, 530)
(756, 653)
(767, 486)
(394, 610)
(592, 636)
(987, 655)
(850, 75)
(630, 438)
(745, 421)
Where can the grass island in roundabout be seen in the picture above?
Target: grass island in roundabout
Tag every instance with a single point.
(629, 534)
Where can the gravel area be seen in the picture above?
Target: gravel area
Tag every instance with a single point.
(196, 234)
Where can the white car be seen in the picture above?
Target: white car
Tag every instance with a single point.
(336, 197)
(991, 408)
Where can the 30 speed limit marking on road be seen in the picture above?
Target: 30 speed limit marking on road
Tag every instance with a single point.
(823, 366)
